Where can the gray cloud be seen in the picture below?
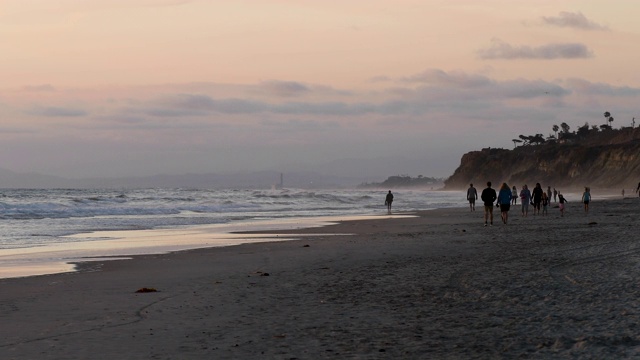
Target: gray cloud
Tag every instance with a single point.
(441, 85)
(40, 88)
(529, 89)
(284, 88)
(380, 78)
(454, 79)
(15, 130)
(438, 89)
(573, 20)
(502, 50)
(295, 125)
(589, 88)
(53, 111)
(198, 105)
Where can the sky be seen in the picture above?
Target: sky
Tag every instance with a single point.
(94, 88)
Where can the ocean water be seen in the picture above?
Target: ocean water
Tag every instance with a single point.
(33, 218)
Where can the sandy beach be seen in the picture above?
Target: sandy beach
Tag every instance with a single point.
(436, 286)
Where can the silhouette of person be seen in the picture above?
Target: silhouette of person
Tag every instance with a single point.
(562, 202)
(504, 200)
(586, 197)
(488, 196)
(472, 195)
(388, 200)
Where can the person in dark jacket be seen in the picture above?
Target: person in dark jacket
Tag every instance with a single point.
(488, 196)
(388, 200)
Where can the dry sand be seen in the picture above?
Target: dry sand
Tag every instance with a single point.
(437, 286)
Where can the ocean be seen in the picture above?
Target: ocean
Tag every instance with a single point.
(36, 218)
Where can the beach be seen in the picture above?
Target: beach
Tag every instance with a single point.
(437, 285)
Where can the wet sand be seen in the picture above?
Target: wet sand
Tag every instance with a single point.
(436, 286)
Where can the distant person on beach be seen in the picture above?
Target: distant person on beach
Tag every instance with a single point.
(525, 198)
(514, 196)
(586, 197)
(545, 204)
(638, 188)
(623, 193)
(562, 202)
(388, 200)
(555, 195)
(549, 192)
(488, 196)
(472, 195)
(504, 200)
(537, 198)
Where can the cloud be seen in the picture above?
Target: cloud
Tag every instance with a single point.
(284, 88)
(54, 111)
(16, 131)
(380, 78)
(502, 50)
(40, 88)
(439, 86)
(573, 20)
(529, 89)
(588, 88)
(454, 79)
(296, 125)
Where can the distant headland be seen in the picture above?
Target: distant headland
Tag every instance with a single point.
(405, 181)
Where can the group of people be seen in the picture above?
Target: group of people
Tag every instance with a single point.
(537, 198)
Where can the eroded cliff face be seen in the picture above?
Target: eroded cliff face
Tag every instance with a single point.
(610, 162)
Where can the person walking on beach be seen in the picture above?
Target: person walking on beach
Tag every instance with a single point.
(472, 195)
(555, 195)
(504, 200)
(537, 198)
(545, 204)
(586, 197)
(562, 202)
(525, 198)
(514, 196)
(549, 192)
(488, 196)
(388, 200)
(638, 188)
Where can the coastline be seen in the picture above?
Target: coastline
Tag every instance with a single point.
(123, 244)
(438, 285)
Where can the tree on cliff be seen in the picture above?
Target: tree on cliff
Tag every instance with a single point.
(555, 129)
(583, 130)
(608, 117)
(515, 142)
(565, 127)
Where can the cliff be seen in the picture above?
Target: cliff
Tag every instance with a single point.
(606, 160)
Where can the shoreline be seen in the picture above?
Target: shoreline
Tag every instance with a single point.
(124, 244)
(438, 285)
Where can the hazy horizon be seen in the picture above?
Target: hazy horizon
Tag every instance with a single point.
(115, 88)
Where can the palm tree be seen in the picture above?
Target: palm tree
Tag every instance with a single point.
(608, 117)
(515, 142)
(555, 130)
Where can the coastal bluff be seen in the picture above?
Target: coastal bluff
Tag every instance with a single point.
(605, 159)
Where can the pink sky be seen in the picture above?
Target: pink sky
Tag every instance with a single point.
(139, 87)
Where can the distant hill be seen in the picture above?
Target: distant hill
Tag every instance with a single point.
(405, 181)
(607, 159)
